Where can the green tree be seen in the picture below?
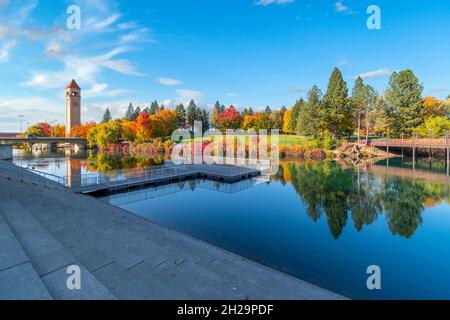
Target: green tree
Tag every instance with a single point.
(308, 117)
(206, 124)
(136, 113)
(216, 113)
(106, 116)
(130, 112)
(336, 114)
(437, 126)
(154, 108)
(104, 134)
(181, 115)
(268, 111)
(404, 103)
(193, 114)
(359, 102)
(295, 111)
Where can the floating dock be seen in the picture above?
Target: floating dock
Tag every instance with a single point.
(100, 184)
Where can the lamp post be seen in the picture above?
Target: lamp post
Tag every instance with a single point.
(21, 119)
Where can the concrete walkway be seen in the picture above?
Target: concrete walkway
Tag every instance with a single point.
(44, 229)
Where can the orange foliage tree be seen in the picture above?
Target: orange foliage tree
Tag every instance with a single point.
(434, 107)
(58, 131)
(82, 131)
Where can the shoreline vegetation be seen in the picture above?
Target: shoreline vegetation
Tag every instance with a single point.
(337, 124)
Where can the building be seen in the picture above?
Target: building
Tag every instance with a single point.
(73, 106)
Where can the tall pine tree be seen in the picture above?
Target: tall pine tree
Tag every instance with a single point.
(181, 115)
(130, 112)
(404, 103)
(106, 116)
(308, 117)
(336, 114)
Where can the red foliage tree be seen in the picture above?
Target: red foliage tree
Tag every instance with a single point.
(230, 118)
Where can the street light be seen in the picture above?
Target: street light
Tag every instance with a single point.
(21, 119)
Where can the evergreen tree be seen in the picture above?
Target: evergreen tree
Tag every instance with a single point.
(268, 111)
(359, 102)
(192, 115)
(245, 112)
(404, 102)
(205, 120)
(181, 115)
(130, 112)
(308, 117)
(217, 110)
(337, 117)
(295, 113)
(154, 108)
(107, 116)
(136, 114)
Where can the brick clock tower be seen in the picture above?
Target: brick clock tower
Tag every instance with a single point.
(73, 106)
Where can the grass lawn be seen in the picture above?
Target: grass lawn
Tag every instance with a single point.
(283, 139)
(292, 140)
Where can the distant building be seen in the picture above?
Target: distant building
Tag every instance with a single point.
(73, 106)
(8, 135)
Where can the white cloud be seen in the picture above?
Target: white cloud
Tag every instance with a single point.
(102, 90)
(98, 25)
(5, 50)
(342, 62)
(341, 8)
(383, 72)
(186, 95)
(169, 81)
(269, 2)
(84, 69)
(232, 94)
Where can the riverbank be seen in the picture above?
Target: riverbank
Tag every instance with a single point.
(45, 229)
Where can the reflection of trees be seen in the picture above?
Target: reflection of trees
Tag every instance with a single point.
(104, 162)
(403, 203)
(327, 188)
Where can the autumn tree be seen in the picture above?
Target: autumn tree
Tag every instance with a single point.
(249, 122)
(230, 118)
(168, 121)
(58, 131)
(104, 134)
(288, 126)
(434, 107)
(82, 130)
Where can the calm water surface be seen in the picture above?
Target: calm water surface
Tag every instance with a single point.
(322, 222)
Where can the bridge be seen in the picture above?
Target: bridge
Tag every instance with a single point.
(46, 143)
(415, 143)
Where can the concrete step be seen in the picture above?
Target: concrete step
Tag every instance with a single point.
(48, 257)
(18, 279)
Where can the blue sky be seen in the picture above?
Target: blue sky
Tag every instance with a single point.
(242, 52)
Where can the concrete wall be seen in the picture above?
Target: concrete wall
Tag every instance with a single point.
(5, 152)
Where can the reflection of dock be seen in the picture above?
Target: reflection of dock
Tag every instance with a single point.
(154, 176)
(128, 197)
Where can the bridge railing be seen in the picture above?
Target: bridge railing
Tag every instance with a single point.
(422, 143)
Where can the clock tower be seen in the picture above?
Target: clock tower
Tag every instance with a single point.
(73, 106)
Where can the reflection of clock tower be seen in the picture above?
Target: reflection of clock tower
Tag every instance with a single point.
(73, 106)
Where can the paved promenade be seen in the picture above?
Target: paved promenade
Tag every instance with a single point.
(44, 229)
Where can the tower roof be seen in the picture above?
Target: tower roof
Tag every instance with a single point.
(73, 85)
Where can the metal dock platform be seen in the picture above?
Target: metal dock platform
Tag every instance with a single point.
(155, 176)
